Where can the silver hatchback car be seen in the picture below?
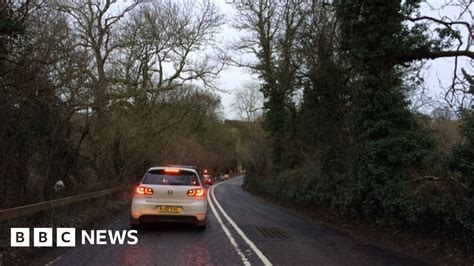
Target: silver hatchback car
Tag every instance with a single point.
(170, 194)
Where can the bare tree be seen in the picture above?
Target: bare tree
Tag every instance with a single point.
(94, 23)
(168, 44)
(442, 113)
(248, 101)
(454, 35)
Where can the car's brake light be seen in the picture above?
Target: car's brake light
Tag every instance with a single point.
(144, 190)
(196, 192)
(171, 170)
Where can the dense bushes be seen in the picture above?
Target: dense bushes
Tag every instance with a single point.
(439, 207)
(437, 199)
(360, 149)
(461, 161)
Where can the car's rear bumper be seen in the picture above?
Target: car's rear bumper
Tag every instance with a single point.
(146, 211)
(167, 219)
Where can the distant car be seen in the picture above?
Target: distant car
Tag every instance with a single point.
(170, 194)
(226, 176)
(208, 179)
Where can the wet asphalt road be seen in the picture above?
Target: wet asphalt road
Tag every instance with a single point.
(281, 237)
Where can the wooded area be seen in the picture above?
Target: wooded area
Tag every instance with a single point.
(337, 79)
(94, 93)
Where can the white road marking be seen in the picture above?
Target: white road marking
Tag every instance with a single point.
(53, 261)
(255, 249)
(245, 261)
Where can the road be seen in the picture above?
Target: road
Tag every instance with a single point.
(256, 233)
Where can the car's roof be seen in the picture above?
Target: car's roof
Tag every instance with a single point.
(180, 167)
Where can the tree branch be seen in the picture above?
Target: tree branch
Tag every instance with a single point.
(424, 54)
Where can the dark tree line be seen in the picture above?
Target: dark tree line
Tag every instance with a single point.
(337, 113)
(95, 92)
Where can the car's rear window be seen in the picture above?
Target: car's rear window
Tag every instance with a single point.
(163, 177)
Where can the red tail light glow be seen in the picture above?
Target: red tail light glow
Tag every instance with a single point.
(168, 170)
(196, 192)
(144, 190)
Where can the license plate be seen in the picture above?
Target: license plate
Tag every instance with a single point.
(169, 209)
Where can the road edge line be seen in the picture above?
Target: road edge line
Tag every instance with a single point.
(232, 240)
(239, 231)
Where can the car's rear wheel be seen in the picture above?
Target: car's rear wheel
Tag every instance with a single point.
(201, 226)
(135, 224)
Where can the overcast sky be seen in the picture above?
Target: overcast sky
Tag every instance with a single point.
(232, 77)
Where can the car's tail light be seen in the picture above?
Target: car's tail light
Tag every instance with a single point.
(144, 190)
(196, 192)
(171, 170)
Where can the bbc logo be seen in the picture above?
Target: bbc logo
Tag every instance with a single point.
(66, 237)
(42, 237)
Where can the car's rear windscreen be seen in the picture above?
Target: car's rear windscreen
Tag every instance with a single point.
(173, 178)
